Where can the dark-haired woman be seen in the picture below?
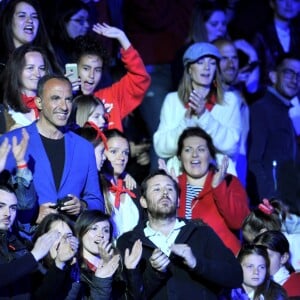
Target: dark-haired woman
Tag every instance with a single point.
(53, 279)
(23, 70)
(208, 193)
(21, 23)
(99, 260)
(71, 20)
(208, 22)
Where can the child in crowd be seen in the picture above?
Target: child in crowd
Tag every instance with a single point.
(123, 96)
(257, 284)
(88, 108)
(273, 215)
(119, 188)
(120, 202)
(281, 270)
(89, 112)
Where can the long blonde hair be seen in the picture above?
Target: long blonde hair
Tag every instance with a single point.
(185, 86)
(84, 106)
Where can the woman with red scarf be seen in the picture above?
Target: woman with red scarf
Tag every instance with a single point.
(24, 68)
(208, 193)
(121, 202)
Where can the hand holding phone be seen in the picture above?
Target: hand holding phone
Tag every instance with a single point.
(72, 75)
(71, 71)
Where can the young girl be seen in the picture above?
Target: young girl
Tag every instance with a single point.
(89, 112)
(92, 135)
(88, 108)
(121, 203)
(121, 198)
(273, 215)
(257, 284)
(281, 270)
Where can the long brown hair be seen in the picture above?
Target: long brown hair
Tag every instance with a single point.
(268, 288)
(185, 86)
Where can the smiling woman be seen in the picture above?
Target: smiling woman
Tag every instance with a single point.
(25, 67)
(200, 101)
(208, 193)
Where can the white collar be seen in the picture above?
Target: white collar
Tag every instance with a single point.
(281, 276)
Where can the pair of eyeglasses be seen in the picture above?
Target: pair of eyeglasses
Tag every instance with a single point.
(81, 21)
(290, 74)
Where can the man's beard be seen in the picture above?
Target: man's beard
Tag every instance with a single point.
(162, 215)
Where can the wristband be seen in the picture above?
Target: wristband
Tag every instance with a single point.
(22, 166)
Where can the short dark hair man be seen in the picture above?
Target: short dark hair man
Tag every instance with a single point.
(180, 259)
(63, 164)
(274, 164)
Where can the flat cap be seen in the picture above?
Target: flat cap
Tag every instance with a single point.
(198, 50)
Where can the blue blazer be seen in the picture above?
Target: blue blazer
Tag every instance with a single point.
(79, 177)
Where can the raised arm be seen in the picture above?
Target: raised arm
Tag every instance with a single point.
(112, 32)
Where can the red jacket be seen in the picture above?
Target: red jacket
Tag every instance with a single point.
(125, 95)
(292, 285)
(223, 208)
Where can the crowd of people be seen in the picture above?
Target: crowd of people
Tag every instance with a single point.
(165, 164)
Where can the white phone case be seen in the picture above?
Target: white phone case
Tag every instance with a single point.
(72, 68)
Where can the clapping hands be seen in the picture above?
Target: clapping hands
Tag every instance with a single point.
(131, 259)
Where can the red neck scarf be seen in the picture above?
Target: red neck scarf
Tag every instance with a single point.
(210, 103)
(100, 133)
(29, 102)
(119, 189)
(91, 266)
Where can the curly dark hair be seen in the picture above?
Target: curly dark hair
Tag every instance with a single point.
(90, 45)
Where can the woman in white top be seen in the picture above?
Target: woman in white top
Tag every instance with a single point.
(200, 101)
